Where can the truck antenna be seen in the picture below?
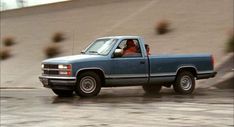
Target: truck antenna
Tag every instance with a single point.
(73, 44)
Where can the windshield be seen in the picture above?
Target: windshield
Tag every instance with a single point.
(101, 47)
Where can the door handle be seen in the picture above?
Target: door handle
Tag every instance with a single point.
(142, 62)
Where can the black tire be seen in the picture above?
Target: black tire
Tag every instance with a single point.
(185, 83)
(152, 89)
(63, 93)
(88, 84)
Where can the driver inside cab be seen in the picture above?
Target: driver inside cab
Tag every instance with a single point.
(130, 49)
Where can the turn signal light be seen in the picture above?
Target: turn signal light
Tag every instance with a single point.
(68, 66)
(68, 73)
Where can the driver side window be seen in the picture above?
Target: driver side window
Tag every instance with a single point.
(129, 48)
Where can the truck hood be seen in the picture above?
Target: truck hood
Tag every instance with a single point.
(71, 59)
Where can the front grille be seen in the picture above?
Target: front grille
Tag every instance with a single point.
(50, 69)
(51, 66)
(51, 72)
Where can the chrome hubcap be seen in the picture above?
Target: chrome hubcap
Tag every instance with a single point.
(87, 84)
(186, 82)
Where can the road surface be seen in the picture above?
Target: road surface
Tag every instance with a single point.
(117, 107)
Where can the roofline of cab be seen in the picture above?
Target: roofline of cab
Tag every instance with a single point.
(119, 37)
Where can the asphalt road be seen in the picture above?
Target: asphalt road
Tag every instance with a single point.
(117, 107)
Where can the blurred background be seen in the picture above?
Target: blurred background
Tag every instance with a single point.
(16, 4)
(33, 30)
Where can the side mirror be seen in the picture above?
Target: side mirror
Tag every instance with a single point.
(82, 52)
(118, 53)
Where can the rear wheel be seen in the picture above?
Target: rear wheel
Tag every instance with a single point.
(185, 83)
(152, 89)
(88, 84)
(63, 93)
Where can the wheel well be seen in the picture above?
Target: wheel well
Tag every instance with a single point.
(97, 71)
(189, 69)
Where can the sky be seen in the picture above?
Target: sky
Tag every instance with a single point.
(12, 4)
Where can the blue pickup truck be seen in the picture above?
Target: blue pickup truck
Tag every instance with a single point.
(107, 63)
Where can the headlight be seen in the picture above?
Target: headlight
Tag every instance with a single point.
(42, 66)
(65, 69)
(61, 66)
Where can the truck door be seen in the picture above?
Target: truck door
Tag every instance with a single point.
(132, 67)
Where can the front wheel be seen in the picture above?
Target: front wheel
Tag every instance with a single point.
(152, 89)
(185, 83)
(63, 93)
(88, 84)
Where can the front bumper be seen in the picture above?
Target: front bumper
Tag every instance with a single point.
(63, 83)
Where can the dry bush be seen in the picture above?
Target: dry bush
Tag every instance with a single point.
(8, 41)
(58, 37)
(4, 53)
(52, 50)
(230, 44)
(162, 27)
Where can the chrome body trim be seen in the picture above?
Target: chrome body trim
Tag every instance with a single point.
(198, 72)
(127, 76)
(162, 74)
(48, 69)
(58, 77)
(186, 67)
(89, 68)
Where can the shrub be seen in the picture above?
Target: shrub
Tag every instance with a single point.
(8, 41)
(51, 50)
(230, 44)
(162, 27)
(58, 37)
(4, 53)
